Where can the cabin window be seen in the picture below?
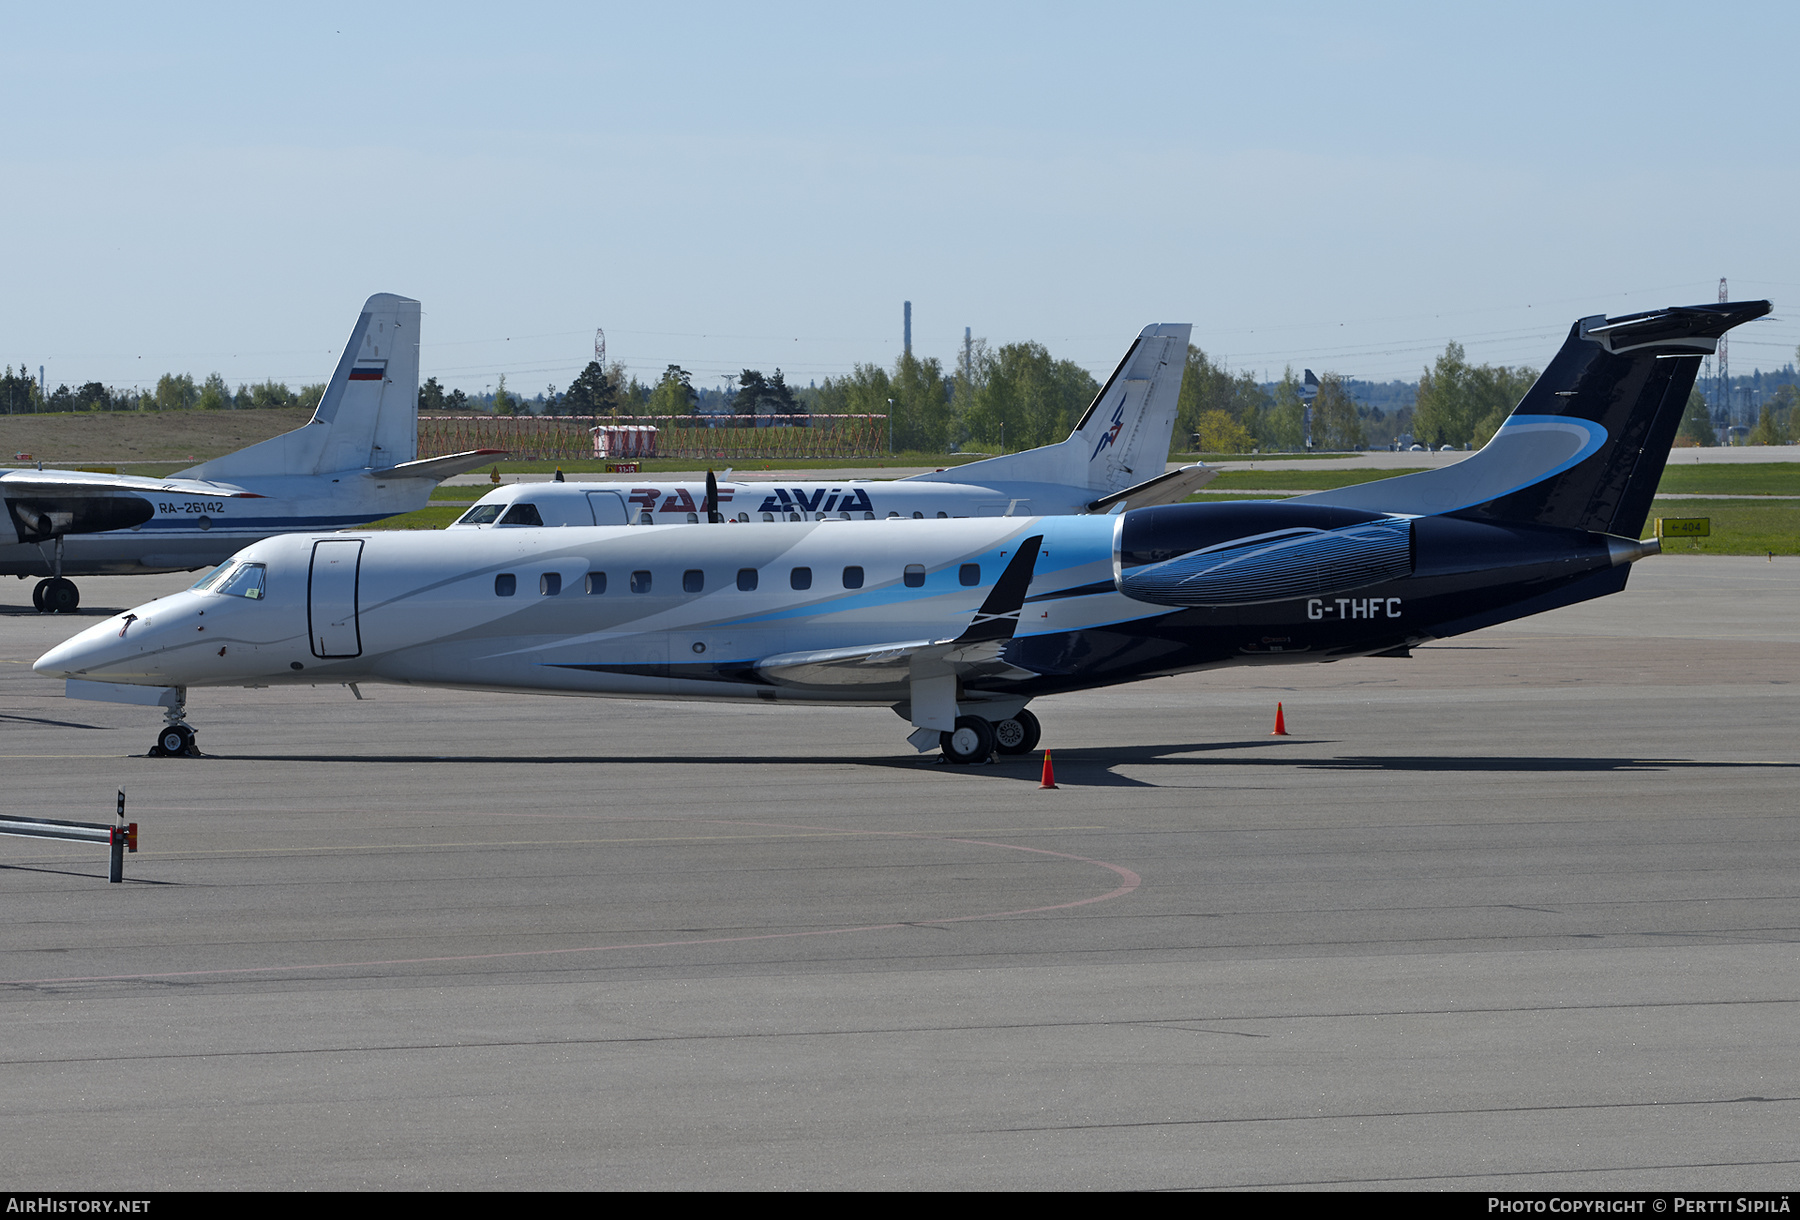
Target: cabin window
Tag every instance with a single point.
(853, 578)
(481, 514)
(914, 576)
(918, 516)
(746, 580)
(942, 516)
(640, 582)
(522, 514)
(693, 518)
(693, 580)
(768, 516)
(800, 578)
(550, 584)
(506, 584)
(596, 582)
(969, 574)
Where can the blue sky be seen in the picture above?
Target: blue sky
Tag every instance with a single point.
(1342, 187)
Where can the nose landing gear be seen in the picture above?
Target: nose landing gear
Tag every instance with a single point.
(176, 740)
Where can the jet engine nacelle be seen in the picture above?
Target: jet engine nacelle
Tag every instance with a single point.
(1241, 554)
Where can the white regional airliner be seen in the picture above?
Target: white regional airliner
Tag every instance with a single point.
(1116, 456)
(956, 625)
(352, 463)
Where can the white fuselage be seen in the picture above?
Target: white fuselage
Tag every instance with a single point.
(199, 523)
(658, 611)
(677, 502)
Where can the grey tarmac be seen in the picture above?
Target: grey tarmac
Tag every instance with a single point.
(1519, 913)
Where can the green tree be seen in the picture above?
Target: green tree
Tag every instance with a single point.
(674, 393)
(593, 392)
(921, 407)
(214, 395)
(1024, 398)
(1216, 432)
(1775, 426)
(1459, 403)
(1207, 387)
(1336, 425)
(503, 402)
(1696, 423)
(431, 397)
(176, 392)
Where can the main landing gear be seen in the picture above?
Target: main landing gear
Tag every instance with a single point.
(974, 739)
(176, 738)
(57, 595)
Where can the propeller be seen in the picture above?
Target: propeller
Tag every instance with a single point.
(712, 499)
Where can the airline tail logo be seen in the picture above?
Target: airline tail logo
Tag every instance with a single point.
(1112, 433)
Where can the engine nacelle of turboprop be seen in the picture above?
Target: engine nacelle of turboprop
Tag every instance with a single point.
(41, 518)
(1244, 553)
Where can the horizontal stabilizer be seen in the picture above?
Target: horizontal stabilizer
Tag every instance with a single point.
(441, 467)
(1165, 488)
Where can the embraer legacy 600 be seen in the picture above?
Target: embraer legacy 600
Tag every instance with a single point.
(1115, 456)
(351, 464)
(957, 625)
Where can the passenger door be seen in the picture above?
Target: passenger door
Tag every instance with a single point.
(331, 599)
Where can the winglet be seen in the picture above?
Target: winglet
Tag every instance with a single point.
(998, 617)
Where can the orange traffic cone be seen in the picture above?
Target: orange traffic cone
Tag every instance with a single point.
(1049, 773)
(1280, 723)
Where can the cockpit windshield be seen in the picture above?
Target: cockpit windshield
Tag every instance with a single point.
(246, 580)
(234, 580)
(212, 577)
(481, 514)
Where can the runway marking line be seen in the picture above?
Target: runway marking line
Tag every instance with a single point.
(1128, 882)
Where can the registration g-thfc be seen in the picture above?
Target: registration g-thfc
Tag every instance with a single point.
(957, 625)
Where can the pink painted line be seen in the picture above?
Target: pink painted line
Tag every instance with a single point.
(1130, 882)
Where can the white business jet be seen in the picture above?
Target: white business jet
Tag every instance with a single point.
(1116, 457)
(956, 625)
(353, 463)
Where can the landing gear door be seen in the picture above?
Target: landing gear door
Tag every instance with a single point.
(331, 599)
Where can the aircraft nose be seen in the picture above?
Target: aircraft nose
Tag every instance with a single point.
(80, 653)
(62, 661)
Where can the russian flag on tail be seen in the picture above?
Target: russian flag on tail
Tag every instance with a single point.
(369, 370)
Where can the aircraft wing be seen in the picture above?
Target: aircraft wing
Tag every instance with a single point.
(1166, 488)
(440, 467)
(42, 505)
(974, 653)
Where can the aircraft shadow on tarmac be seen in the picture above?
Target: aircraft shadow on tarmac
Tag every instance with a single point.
(1092, 767)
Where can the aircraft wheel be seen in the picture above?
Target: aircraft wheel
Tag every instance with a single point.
(1017, 734)
(37, 595)
(60, 596)
(972, 740)
(175, 741)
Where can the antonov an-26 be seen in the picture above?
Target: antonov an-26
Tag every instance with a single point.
(957, 625)
(354, 462)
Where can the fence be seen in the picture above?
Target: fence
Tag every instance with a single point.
(546, 438)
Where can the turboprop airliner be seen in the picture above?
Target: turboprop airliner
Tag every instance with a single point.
(1115, 456)
(957, 625)
(352, 463)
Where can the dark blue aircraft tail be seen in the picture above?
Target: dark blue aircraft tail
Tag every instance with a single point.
(1586, 446)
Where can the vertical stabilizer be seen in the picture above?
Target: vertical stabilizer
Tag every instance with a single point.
(1586, 446)
(369, 416)
(1122, 439)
